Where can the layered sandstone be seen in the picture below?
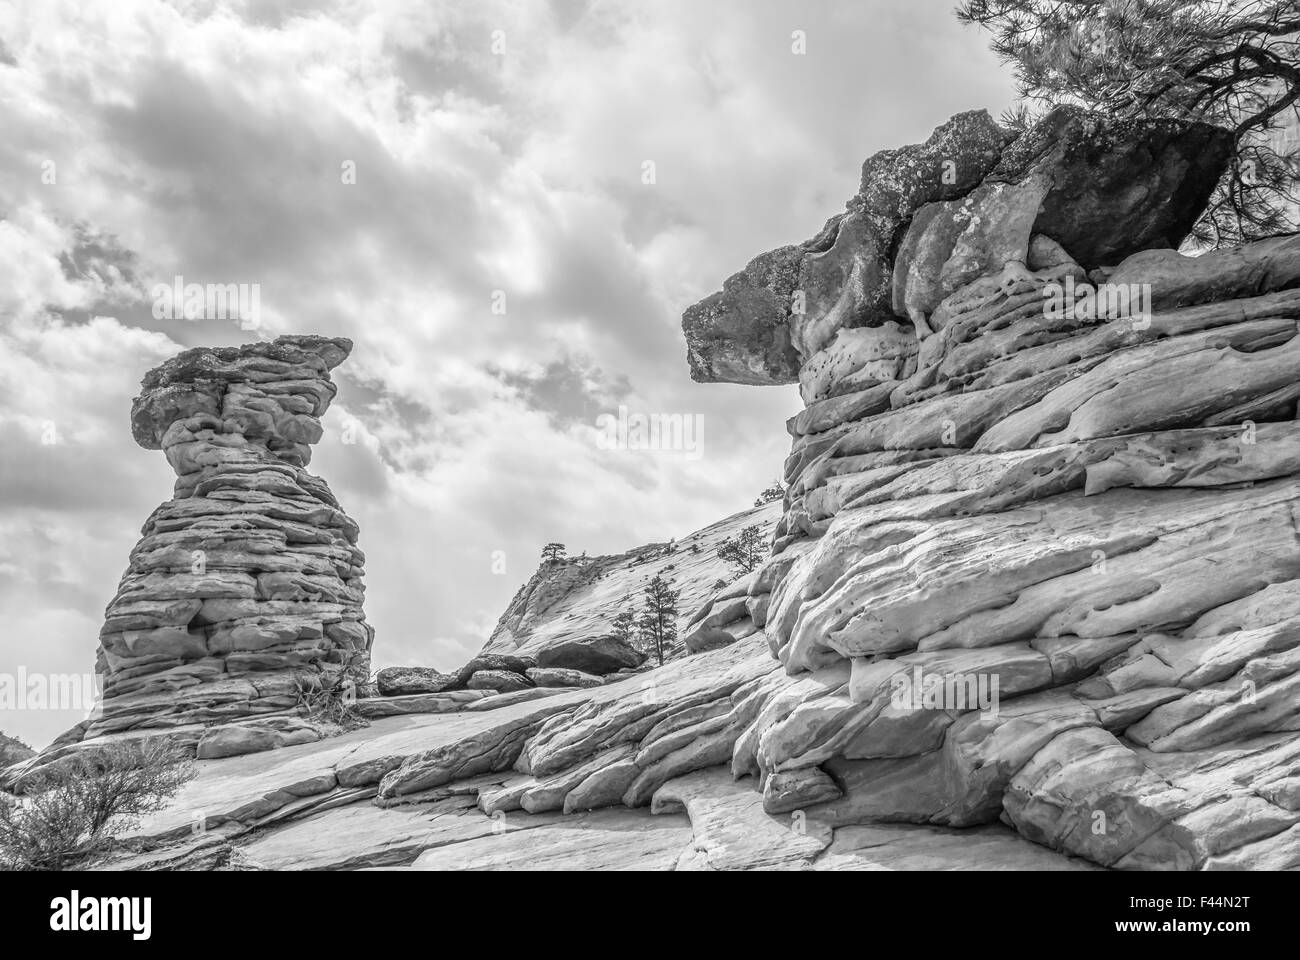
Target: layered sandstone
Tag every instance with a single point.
(1091, 514)
(1096, 508)
(246, 587)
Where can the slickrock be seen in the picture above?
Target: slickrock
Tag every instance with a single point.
(563, 616)
(247, 585)
(1089, 511)
(1033, 598)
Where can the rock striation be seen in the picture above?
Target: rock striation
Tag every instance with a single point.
(1033, 599)
(1091, 509)
(245, 587)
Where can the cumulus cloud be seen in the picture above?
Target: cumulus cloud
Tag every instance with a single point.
(461, 188)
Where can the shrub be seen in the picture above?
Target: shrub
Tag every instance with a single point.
(331, 695)
(775, 492)
(74, 808)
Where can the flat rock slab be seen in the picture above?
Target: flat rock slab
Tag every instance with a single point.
(892, 846)
(610, 839)
(449, 702)
(250, 787)
(361, 836)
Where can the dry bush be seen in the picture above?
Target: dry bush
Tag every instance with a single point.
(71, 811)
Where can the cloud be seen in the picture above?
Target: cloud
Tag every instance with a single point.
(391, 172)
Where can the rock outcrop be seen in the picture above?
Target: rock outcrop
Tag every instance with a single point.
(563, 616)
(556, 632)
(1033, 598)
(246, 587)
(1044, 453)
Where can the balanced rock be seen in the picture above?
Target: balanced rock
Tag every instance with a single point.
(246, 587)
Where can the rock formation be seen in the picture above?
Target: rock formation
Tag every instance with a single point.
(562, 615)
(246, 587)
(1034, 594)
(556, 631)
(1092, 506)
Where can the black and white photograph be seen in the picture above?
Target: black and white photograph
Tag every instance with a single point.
(842, 437)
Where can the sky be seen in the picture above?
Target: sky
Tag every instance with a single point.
(505, 205)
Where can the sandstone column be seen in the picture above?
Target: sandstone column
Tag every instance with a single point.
(248, 583)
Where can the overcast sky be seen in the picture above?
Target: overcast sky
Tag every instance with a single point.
(209, 140)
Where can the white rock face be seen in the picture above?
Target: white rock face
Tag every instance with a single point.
(1048, 574)
(1033, 599)
(575, 602)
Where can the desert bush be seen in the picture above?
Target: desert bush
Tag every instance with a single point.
(72, 810)
(331, 695)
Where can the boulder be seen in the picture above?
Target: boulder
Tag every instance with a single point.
(561, 677)
(402, 681)
(496, 662)
(502, 681)
(595, 655)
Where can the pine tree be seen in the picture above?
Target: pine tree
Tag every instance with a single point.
(553, 553)
(625, 624)
(745, 551)
(1232, 63)
(657, 625)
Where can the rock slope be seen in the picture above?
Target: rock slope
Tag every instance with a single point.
(572, 604)
(1092, 507)
(557, 631)
(1033, 597)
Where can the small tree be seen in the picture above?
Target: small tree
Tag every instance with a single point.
(553, 553)
(73, 810)
(745, 551)
(774, 492)
(625, 624)
(657, 625)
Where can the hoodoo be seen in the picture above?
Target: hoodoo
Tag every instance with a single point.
(248, 583)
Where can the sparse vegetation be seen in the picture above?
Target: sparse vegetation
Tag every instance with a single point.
(625, 624)
(657, 625)
(745, 551)
(12, 750)
(331, 695)
(775, 492)
(72, 810)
